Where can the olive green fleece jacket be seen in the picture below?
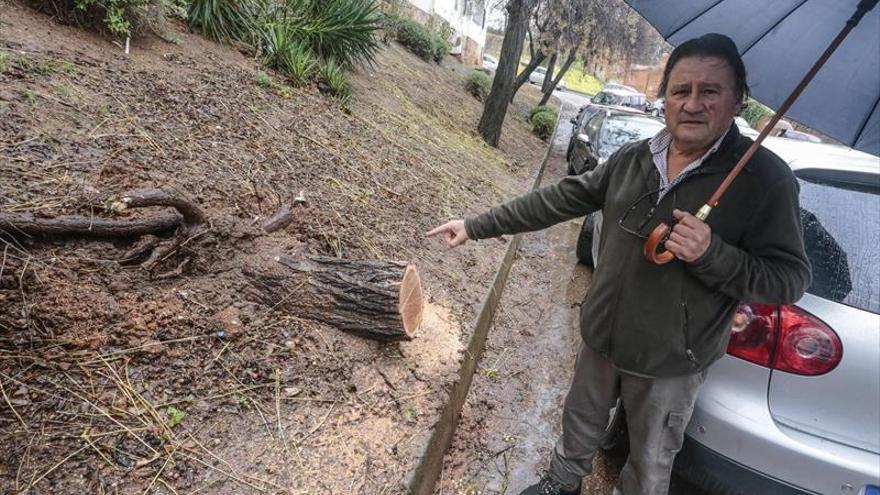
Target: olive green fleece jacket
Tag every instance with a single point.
(673, 319)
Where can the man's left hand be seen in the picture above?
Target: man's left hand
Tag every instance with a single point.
(690, 238)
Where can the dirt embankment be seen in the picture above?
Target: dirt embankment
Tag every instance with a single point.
(116, 382)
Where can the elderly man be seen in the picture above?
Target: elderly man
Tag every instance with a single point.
(651, 331)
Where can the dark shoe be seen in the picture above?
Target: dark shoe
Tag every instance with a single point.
(549, 486)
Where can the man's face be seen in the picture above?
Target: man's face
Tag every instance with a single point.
(701, 101)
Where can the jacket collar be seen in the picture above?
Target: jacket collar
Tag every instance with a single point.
(732, 147)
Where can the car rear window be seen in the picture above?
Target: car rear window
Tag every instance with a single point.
(841, 235)
(618, 131)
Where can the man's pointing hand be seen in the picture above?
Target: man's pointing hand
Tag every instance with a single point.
(453, 233)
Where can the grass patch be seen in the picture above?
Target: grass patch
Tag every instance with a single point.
(175, 416)
(578, 80)
(4, 62)
(266, 81)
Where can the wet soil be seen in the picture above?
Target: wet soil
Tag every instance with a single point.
(114, 381)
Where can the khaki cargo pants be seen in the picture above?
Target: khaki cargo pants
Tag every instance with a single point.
(657, 412)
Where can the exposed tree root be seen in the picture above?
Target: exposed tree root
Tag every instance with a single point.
(188, 222)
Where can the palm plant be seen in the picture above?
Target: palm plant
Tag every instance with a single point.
(343, 30)
(224, 20)
(333, 74)
(283, 51)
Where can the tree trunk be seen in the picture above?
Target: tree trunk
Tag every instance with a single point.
(548, 77)
(524, 75)
(380, 300)
(495, 109)
(568, 61)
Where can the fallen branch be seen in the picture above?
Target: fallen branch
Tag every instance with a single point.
(187, 222)
(283, 216)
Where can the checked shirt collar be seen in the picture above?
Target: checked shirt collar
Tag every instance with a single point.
(659, 146)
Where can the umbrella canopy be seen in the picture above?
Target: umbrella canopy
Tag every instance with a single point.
(779, 41)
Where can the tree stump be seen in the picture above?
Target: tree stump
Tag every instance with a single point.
(380, 300)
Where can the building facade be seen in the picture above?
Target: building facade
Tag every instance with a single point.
(467, 18)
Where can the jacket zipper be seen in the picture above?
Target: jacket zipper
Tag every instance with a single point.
(687, 341)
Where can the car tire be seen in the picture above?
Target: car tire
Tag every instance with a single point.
(584, 248)
(655, 112)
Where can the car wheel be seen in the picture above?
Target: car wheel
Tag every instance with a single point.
(655, 112)
(584, 248)
(615, 440)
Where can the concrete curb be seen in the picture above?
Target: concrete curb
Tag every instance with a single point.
(427, 473)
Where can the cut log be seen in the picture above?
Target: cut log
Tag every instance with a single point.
(380, 300)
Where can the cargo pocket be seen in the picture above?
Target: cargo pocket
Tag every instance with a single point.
(673, 434)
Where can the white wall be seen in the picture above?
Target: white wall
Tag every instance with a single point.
(453, 12)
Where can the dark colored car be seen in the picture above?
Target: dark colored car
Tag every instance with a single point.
(637, 101)
(598, 134)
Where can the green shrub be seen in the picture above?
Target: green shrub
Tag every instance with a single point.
(441, 47)
(538, 109)
(223, 20)
(543, 122)
(753, 111)
(479, 84)
(120, 18)
(417, 38)
(283, 51)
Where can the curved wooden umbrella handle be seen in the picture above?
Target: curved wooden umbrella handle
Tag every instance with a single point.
(661, 233)
(658, 236)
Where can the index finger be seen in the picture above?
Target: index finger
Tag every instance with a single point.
(437, 230)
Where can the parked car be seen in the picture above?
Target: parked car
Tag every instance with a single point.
(585, 113)
(792, 408)
(800, 136)
(621, 98)
(602, 132)
(537, 77)
(613, 86)
(657, 108)
(489, 62)
(744, 128)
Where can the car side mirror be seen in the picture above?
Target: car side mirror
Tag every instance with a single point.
(572, 120)
(583, 138)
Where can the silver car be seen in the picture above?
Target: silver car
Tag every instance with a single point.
(794, 406)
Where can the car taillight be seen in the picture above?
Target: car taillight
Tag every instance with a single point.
(807, 346)
(753, 333)
(785, 338)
